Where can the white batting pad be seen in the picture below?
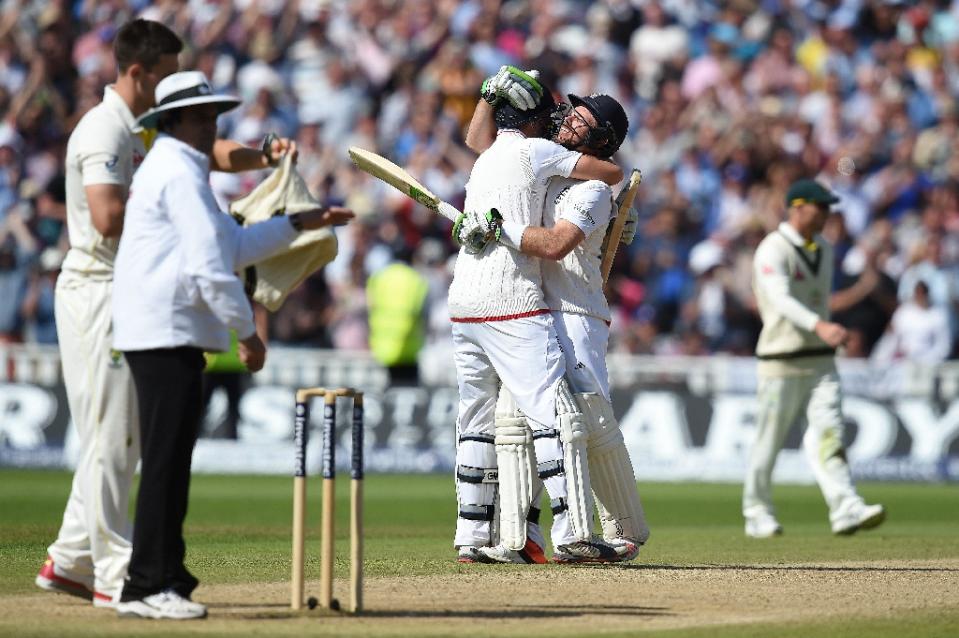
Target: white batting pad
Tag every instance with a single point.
(574, 434)
(517, 467)
(614, 483)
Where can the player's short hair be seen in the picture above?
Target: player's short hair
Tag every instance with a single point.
(144, 42)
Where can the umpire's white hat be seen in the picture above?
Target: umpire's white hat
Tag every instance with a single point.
(186, 88)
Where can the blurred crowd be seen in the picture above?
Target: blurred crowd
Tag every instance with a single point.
(728, 103)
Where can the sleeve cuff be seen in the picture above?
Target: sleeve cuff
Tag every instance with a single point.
(289, 232)
(511, 234)
(810, 322)
(248, 330)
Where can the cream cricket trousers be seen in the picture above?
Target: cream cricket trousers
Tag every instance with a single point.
(93, 545)
(815, 397)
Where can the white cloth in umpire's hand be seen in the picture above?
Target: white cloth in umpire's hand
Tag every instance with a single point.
(282, 193)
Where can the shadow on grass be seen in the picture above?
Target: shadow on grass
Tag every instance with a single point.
(771, 568)
(518, 612)
(523, 612)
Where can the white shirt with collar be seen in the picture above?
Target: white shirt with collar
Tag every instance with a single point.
(575, 283)
(175, 282)
(792, 282)
(104, 148)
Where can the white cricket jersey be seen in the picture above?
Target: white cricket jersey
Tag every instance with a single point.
(792, 283)
(575, 283)
(510, 176)
(104, 148)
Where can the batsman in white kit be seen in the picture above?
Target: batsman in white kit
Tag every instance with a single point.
(792, 279)
(503, 332)
(576, 217)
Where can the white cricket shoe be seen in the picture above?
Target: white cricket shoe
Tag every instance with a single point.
(595, 550)
(166, 604)
(763, 525)
(630, 548)
(856, 516)
(532, 553)
(467, 554)
(105, 601)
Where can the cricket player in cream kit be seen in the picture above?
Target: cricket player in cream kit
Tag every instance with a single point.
(792, 280)
(90, 555)
(570, 244)
(503, 332)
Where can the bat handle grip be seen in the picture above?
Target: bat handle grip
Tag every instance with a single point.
(447, 211)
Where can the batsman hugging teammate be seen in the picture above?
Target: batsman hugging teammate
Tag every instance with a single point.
(570, 244)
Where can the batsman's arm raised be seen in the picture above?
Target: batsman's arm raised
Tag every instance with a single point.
(520, 88)
(513, 82)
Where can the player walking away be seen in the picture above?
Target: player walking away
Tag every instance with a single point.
(792, 278)
(90, 555)
(502, 331)
(570, 243)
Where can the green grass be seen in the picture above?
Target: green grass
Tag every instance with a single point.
(238, 531)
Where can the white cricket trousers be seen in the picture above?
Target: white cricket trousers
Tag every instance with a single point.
(524, 354)
(584, 340)
(93, 545)
(781, 400)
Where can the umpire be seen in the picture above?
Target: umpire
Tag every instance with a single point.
(176, 295)
(792, 279)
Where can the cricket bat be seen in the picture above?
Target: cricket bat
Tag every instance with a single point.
(383, 169)
(624, 201)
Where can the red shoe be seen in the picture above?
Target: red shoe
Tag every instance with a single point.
(103, 601)
(534, 552)
(50, 580)
(531, 554)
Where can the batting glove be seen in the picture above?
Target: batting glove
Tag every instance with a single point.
(629, 228)
(520, 88)
(474, 231)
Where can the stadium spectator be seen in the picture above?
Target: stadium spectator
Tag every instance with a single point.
(919, 332)
(18, 251)
(733, 101)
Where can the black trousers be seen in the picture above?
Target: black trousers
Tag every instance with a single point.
(169, 384)
(234, 384)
